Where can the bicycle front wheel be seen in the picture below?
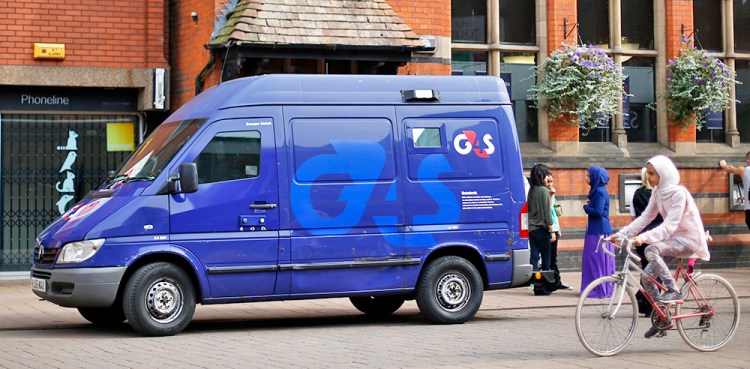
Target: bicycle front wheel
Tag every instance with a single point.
(605, 325)
(708, 331)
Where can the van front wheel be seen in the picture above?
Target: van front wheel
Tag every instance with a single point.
(450, 290)
(159, 299)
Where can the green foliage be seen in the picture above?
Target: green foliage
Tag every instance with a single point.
(579, 81)
(697, 84)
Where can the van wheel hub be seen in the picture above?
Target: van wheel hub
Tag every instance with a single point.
(164, 301)
(453, 292)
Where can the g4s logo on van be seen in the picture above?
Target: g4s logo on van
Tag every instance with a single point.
(468, 141)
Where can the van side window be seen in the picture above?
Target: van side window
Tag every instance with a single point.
(426, 137)
(229, 156)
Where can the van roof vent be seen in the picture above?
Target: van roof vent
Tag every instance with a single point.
(420, 95)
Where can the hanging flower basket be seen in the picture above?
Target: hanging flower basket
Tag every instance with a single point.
(697, 84)
(578, 81)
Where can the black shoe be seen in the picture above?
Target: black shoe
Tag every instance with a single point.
(653, 332)
(542, 293)
(565, 287)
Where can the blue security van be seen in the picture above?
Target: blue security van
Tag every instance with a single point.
(381, 189)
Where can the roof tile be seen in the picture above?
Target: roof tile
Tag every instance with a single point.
(316, 22)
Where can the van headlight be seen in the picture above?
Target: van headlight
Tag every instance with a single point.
(76, 252)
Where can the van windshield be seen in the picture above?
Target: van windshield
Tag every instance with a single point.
(157, 151)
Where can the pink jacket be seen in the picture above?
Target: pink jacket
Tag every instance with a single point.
(682, 222)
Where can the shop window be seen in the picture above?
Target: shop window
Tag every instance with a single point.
(593, 22)
(639, 120)
(518, 22)
(707, 23)
(469, 21)
(741, 26)
(515, 70)
(638, 24)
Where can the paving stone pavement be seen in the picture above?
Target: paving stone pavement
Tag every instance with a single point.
(513, 329)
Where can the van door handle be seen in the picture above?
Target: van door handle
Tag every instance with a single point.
(263, 206)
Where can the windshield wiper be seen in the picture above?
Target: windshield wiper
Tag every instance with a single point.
(137, 179)
(116, 178)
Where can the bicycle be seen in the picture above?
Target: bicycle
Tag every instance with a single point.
(706, 319)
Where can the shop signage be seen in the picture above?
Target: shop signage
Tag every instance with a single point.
(68, 99)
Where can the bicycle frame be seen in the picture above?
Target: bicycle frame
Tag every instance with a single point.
(626, 274)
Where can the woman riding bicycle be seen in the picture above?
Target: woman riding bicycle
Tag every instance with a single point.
(680, 235)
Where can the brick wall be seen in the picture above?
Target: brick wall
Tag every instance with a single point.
(426, 18)
(188, 55)
(112, 34)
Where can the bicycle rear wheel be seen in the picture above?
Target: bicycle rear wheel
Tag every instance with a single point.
(708, 332)
(604, 326)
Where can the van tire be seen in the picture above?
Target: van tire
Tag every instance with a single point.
(450, 290)
(377, 306)
(111, 316)
(143, 292)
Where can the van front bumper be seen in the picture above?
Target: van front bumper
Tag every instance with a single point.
(78, 287)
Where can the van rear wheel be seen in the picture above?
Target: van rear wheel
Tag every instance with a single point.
(159, 299)
(104, 316)
(377, 306)
(450, 290)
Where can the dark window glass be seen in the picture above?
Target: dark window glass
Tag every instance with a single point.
(640, 121)
(593, 22)
(467, 63)
(742, 25)
(518, 22)
(515, 70)
(638, 24)
(426, 137)
(707, 24)
(230, 155)
(743, 95)
(469, 21)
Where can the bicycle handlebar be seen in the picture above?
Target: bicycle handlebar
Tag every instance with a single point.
(625, 243)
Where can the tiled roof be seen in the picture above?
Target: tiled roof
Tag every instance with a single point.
(330, 23)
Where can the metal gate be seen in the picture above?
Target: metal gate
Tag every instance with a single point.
(49, 162)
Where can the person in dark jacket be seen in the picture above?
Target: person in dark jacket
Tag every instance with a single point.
(541, 233)
(597, 264)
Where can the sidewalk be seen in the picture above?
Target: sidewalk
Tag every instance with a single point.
(20, 309)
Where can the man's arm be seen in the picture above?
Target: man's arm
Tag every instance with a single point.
(739, 170)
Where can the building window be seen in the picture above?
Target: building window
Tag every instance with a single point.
(509, 51)
(467, 63)
(638, 24)
(707, 22)
(593, 22)
(515, 70)
(639, 120)
(517, 22)
(743, 95)
(741, 25)
(469, 21)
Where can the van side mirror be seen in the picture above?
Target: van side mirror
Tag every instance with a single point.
(188, 177)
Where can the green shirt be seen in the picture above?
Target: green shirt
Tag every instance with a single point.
(539, 208)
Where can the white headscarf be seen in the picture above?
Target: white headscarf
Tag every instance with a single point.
(669, 177)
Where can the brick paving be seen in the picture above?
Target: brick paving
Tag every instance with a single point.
(512, 329)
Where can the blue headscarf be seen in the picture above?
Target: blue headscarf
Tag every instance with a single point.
(598, 177)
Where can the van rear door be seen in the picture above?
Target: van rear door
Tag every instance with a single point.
(231, 223)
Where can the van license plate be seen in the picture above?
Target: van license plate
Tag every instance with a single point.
(38, 284)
